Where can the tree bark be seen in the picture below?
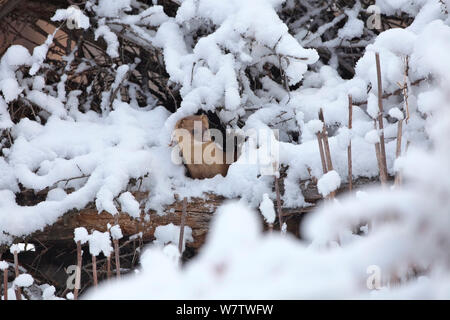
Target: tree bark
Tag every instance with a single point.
(199, 214)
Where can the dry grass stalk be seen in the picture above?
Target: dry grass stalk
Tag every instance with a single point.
(377, 151)
(94, 270)
(108, 267)
(322, 154)
(117, 257)
(383, 165)
(398, 152)
(405, 88)
(277, 191)
(326, 149)
(5, 284)
(18, 291)
(182, 224)
(349, 149)
(398, 176)
(78, 272)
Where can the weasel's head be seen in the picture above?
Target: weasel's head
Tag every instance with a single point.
(194, 127)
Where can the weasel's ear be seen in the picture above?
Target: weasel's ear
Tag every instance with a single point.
(205, 119)
(179, 124)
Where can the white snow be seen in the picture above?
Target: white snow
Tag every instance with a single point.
(39, 54)
(5, 119)
(81, 234)
(24, 280)
(113, 9)
(284, 229)
(373, 136)
(315, 126)
(15, 57)
(129, 204)
(396, 113)
(170, 233)
(49, 293)
(56, 194)
(15, 248)
(75, 15)
(344, 137)
(353, 27)
(328, 183)
(10, 89)
(3, 265)
(100, 242)
(110, 38)
(116, 232)
(267, 209)
(47, 102)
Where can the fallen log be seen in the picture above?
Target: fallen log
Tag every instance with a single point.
(199, 214)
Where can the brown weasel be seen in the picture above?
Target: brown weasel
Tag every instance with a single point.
(202, 156)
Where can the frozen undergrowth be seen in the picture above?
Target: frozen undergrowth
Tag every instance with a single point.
(95, 156)
(402, 253)
(83, 156)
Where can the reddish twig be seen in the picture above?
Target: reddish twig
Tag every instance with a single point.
(18, 291)
(108, 267)
(94, 269)
(117, 257)
(78, 272)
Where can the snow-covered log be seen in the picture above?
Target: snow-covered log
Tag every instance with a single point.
(199, 214)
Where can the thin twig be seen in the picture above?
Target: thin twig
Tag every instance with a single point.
(349, 149)
(183, 222)
(377, 150)
(322, 154)
(277, 191)
(326, 148)
(5, 284)
(94, 269)
(117, 257)
(78, 272)
(405, 88)
(108, 267)
(383, 168)
(398, 152)
(16, 269)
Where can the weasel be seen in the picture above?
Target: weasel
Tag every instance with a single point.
(203, 157)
